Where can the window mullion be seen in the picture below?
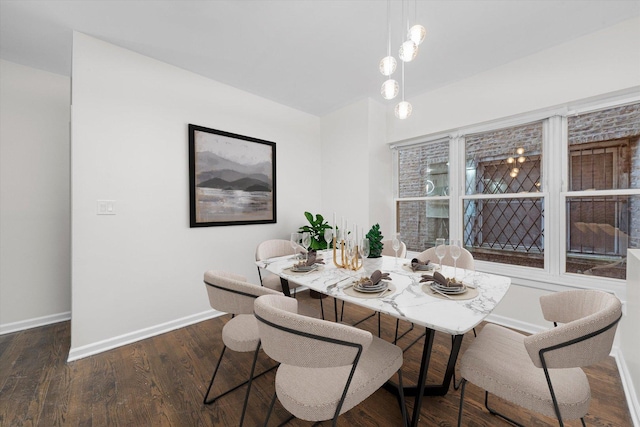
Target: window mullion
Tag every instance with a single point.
(554, 148)
(456, 184)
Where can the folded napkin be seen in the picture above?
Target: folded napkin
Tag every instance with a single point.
(375, 278)
(416, 264)
(311, 259)
(441, 280)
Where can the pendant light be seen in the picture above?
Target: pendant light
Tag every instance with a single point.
(388, 64)
(403, 108)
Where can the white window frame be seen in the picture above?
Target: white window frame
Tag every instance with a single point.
(555, 179)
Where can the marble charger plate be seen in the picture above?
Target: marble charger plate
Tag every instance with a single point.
(470, 293)
(302, 270)
(390, 289)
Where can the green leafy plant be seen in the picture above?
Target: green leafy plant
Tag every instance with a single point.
(375, 241)
(316, 230)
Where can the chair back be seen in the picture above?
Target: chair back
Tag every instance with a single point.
(293, 339)
(387, 249)
(465, 261)
(589, 320)
(231, 293)
(274, 248)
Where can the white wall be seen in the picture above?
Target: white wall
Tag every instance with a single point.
(139, 272)
(34, 197)
(345, 165)
(629, 334)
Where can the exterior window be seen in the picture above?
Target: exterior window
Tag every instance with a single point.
(603, 214)
(423, 189)
(503, 212)
(499, 190)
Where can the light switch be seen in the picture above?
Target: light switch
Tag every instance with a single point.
(106, 207)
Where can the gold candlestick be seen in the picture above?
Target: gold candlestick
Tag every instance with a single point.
(345, 262)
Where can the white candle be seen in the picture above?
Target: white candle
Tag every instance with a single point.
(334, 224)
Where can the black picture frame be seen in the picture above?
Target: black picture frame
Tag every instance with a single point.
(232, 178)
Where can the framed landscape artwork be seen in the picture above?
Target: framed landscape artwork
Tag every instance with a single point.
(232, 178)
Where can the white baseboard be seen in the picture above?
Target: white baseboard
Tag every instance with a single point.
(111, 343)
(514, 324)
(627, 385)
(9, 328)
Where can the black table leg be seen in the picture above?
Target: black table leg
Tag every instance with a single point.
(421, 389)
(285, 286)
(422, 377)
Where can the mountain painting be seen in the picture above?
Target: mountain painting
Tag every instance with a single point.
(231, 177)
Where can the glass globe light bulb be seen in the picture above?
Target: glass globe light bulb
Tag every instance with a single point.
(515, 170)
(403, 110)
(510, 160)
(513, 174)
(390, 89)
(521, 159)
(388, 65)
(520, 151)
(417, 33)
(408, 51)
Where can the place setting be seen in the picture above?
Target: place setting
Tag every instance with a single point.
(311, 263)
(439, 286)
(376, 286)
(416, 265)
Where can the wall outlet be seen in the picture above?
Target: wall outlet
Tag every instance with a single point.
(106, 207)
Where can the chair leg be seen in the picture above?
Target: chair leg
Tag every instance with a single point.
(273, 402)
(464, 383)
(498, 414)
(403, 405)
(583, 423)
(207, 402)
(246, 396)
(213, 377)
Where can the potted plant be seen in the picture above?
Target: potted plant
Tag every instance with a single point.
(375, 241)
(315, 230)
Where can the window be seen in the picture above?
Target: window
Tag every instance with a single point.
(423, 186)
(503, 209)
(500, 186)
(602, 213)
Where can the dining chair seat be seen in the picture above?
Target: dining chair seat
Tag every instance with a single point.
(498, 356)
(326, 368)
(271, 249)
(543, 372)
(232, 294)
(241, 333)
(319, 402)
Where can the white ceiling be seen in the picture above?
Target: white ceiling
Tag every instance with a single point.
(313, 55)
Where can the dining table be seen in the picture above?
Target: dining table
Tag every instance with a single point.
(406, 298)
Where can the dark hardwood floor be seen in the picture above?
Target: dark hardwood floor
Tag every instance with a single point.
(161, 382)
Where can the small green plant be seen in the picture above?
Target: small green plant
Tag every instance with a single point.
(316, 230)
(375, 241)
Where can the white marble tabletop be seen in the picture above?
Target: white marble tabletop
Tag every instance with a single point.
(408, 302)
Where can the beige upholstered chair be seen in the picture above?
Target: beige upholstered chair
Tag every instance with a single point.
(274, 248)
(465, 261)
(542, 372)
(232, 294)
(326, 368)
(387, 249)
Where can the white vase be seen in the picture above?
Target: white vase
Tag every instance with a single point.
(372, 264)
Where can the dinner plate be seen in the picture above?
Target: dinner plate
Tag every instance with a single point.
(448, 289)
(303, 268)
(372, 289)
